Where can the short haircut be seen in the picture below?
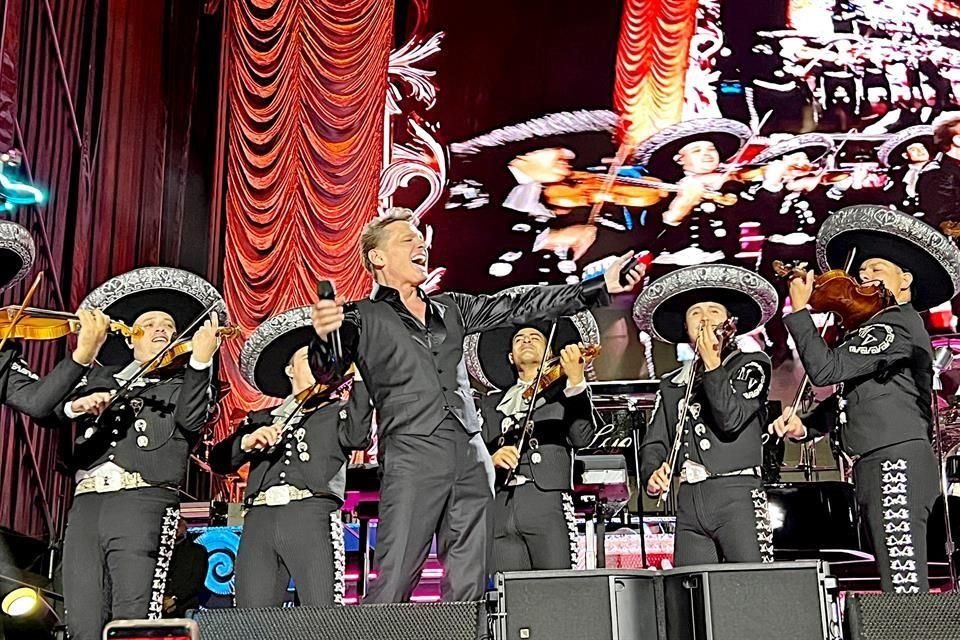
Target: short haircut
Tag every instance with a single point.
(375, 231)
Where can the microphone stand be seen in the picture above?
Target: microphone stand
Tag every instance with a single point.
(941, 363)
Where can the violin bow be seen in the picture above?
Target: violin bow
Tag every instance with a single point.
(285, 424)
(26, 303)
(145, 367)
(755, 133)
(623, 151)
(805, 383)
(533, 400)
(723, 340)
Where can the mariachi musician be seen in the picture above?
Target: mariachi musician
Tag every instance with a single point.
(883, 415)
(136, 427)
(21, 388)
(532, 514)
(939, 184)
(297, 452)
(695, 229)
(711, 442)
(906, 153)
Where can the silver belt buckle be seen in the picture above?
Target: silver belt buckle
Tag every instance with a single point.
(108, 483)
(692, 473)
(278, 495)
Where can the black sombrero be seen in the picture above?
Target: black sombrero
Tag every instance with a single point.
(125, 297)
(486, 353)
(656, 153)
(267, 351)
(661, 308)
(881, 232)
(890, 153)
(815, 145)
(17, 253)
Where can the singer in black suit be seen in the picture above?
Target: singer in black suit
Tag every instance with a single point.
(437, 477)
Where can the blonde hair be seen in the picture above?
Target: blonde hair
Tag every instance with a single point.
(375, 231)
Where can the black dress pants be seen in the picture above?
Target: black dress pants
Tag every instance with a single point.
(110, 557)
(533, 529)
(302, 540)
(723, 519)
(896, 488)
(438, 484)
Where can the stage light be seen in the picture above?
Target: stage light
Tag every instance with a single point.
(20, 602)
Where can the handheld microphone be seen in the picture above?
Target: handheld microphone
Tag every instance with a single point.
(325, 291)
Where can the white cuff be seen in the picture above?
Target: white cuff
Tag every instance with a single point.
(69, 412)
(199, 366)
(575, 389)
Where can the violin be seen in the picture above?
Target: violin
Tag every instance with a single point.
(45, 324)
(177, 355)
(583, 188)
(837, 292)
(553, 371)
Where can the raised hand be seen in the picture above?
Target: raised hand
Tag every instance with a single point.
(92, 404)
(327, 316)
(93, 333)
(633, 277)
(205, 340)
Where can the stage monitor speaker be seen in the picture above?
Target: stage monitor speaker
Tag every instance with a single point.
(599, 605)
(782, 600)
(427, 621)
(894, 616)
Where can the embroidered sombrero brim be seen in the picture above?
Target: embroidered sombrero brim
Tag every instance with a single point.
(17, 253)
(268, 350)
(657, 152)
(890, 153)
(814, 145)
(126, 297)
(661, 308)
(881, 232)
(486, 353)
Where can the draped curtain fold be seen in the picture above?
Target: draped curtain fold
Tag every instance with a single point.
(306, 89)
(652, 59)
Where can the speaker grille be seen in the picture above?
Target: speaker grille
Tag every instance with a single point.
(891, 616)
(433, 621)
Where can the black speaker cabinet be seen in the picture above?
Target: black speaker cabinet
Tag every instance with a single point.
(434, 621)
(894, 616)
(595, 605)
(782, 600)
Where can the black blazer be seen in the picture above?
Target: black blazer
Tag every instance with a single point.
(173, 409)
(329, 433)
(561, 425)
(886, 368)
(725, 422)
(26, 392)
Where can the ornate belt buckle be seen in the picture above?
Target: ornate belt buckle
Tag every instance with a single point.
(694, 473)
(108, 483)
(277, 496)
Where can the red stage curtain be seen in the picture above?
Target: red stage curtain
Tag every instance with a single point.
(305, 99)
(652, 59)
